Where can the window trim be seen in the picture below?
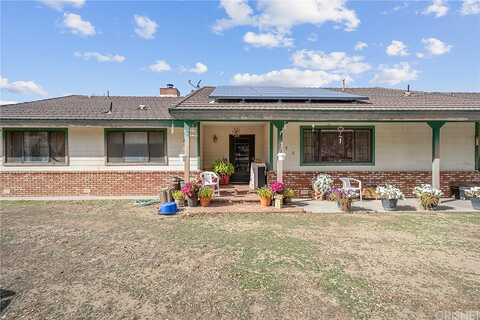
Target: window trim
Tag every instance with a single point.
(337, 164)
(35, 164)
(117, 164)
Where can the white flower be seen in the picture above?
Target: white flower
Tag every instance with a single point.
(426, 189)
(323, 183)
(389, 192)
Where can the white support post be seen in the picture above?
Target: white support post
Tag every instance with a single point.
(186, 143)
(436, 125)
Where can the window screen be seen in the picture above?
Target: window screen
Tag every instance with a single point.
(325, 145)
(137, 146)
(36, 146)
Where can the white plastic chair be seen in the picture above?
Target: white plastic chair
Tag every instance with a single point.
(347, 185)
(211, 179)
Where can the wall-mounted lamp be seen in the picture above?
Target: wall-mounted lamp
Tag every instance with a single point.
(215, 138)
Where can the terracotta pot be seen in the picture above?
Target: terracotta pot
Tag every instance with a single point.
(224, 180)
(205, 202)
(265, 202)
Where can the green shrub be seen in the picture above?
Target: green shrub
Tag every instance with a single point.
(265, 192)
(205, 193)
(223, 168)
(178, 195)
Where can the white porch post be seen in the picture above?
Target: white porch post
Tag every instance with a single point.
(186, 144)
(436, 125)
(280, 148)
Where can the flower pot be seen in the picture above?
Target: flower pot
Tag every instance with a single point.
(345, 206)
(205, 202)
(279, 202)
(265, 202)
(192, 202)
(389, 204)
(224, 179)
(475, 203)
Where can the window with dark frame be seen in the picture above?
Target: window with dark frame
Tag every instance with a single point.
(328, 145)
(137, 146)
(35, 146)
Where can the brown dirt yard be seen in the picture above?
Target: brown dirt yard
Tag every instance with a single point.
(111, 260)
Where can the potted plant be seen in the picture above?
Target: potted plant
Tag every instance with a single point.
(224, 169)
(474, 195)
(322, 185)
(389, 195)
(178, 197)
(344, 198)
(265, 194)
(205, 194)
(288, 195)
(190, 192)
(429, 196)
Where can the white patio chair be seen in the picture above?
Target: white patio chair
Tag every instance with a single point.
(211, 179)
(347, 185)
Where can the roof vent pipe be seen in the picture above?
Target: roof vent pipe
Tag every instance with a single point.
(343, 84)
(407, 93)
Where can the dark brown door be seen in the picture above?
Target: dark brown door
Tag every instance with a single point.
(242, 154)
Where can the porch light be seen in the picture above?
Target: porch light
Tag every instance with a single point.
(215, 138)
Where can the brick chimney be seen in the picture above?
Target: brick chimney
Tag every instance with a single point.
(169, 91)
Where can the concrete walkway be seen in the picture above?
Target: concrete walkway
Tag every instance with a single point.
(373, 206)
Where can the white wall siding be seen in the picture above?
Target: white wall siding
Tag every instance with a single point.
(398, 146)
(86, 151)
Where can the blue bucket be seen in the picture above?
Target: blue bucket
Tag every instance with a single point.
(168, 208)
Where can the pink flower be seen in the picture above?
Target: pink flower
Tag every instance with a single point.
(277, 187)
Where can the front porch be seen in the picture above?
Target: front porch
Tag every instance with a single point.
(407, 154)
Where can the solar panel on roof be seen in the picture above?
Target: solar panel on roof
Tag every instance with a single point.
(281, 93)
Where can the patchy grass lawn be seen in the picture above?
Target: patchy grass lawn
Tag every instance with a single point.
(110, 260)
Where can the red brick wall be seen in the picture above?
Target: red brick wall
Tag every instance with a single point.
(301, 181)
(97, 183)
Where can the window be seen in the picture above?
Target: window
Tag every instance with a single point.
(137, 146)
(36, 146)
(331, 146)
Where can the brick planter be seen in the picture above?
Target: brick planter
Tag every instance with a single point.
(95, 183)
(301, 181)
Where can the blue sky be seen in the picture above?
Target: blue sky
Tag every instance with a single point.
(57, 47)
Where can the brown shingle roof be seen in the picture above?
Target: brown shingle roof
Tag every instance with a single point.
(379, 98)
(87, 108)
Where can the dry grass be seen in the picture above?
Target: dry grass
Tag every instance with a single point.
(110, 260)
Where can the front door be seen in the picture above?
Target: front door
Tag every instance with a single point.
(242, 153)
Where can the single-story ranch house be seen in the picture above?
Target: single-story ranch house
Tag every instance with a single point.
(128, 145)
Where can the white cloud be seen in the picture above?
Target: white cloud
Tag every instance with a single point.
(199, 68)
(77, 25)
(470, 7)
(278, 17)
(5, 102)
(100, 57)
(239, 14)
(22, 87)
(396, 74)
(438, 8)
(268, 40)
(420, 55)
(360, 45)
(397, 48)
(337, 62)
(145, 27)
(435, 46)
(60, 4)
(160, 66)
(288, 77)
